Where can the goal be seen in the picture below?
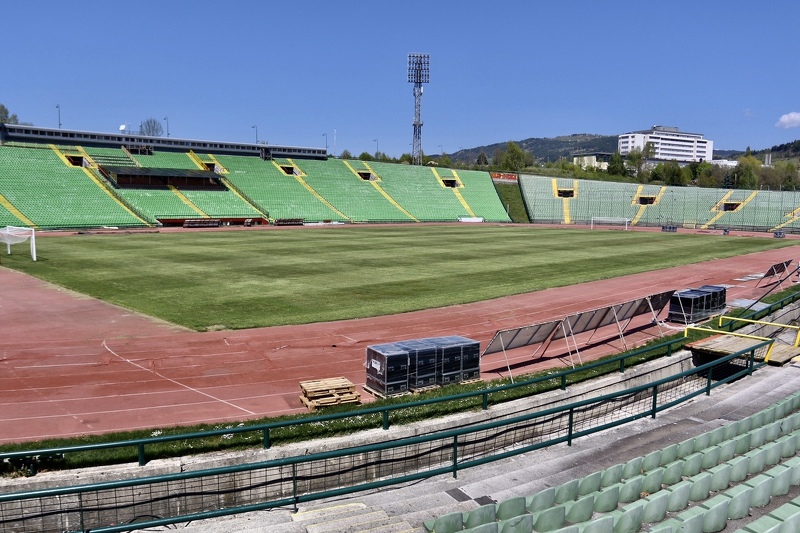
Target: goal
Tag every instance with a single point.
(610, 221)
(14, 235)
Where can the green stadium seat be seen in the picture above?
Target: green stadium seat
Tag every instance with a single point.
(567, 491)
(630, 489)
(781, 479)
(701, 486)
(547, 520)
(720, 476)
(541, 500)
(518, 524)
(480, 515)
(740, 496)
(656, 508)
(693, 464)
(651, 482)
(580, 510)
(449, 523)
(607, 499)
(651, 461)
(632, 468)
(612, 475)
(510, 508)
(629, 518)
(603, 524)
(491, 527)
(762, 490)
(590, 483)
(715, 517)
(679, 496)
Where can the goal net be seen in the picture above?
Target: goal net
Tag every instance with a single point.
(14, 235)
(610, 221)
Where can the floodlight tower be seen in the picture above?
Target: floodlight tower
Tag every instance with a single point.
(419, 72)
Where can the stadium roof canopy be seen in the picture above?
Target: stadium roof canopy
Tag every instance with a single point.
(34, 134)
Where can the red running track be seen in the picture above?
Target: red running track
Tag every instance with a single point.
(71, 365)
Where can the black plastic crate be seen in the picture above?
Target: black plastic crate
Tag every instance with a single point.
(690, 306)
(449, 378)
(387, 388)
(420, 382)
(387, 362)
(719, 296)
(467, 375)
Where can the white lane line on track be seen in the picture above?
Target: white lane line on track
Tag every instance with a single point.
(115, 354)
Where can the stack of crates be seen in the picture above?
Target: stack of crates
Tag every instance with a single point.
(694, 305)
(459, 360)
(397, 367)
(387, 369)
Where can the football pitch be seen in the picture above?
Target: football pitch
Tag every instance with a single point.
(244, 279)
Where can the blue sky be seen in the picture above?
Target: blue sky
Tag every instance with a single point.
(503, 70)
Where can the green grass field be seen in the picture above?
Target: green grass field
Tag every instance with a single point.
(245, 279)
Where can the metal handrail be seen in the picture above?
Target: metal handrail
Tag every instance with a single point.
(453, 435)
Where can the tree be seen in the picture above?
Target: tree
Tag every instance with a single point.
(747, 172)
(151, 128)
(497, 158)
(649, 151)
(673, 175)
(482, 160)
(514, 158)
(6, 117)
(616, 166)
(636, 160)
(365, 156)
(345, 155)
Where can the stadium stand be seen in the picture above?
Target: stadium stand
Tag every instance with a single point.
(544, 207)
(362, 200)
(479, 193)
(280, 194)
(420, 193)
(695, 485)
(51, 193)
(69, 185)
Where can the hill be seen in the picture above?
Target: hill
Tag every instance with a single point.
(544, 148)
(553, 148)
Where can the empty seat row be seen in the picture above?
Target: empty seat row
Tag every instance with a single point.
(645, 488)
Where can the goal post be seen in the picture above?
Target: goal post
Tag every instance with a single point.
(610, 221)
(14, 235)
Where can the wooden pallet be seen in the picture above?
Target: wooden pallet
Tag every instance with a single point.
(383, 395)
(326, 392)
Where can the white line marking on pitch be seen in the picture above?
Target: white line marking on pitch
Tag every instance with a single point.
(115, 354)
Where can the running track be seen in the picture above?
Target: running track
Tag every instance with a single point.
(72, 365)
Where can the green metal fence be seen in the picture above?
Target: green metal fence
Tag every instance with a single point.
(160, 500)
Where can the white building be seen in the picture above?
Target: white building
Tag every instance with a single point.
(668, 144)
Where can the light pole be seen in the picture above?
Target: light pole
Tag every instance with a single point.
(326, 142)
(377, 149)
(58, 106)
(441, 148)
(166, 119)
(255, 127)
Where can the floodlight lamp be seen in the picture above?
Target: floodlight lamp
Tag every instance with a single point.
(419, 68)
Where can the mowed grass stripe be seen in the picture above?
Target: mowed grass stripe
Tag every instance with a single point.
(244, 279)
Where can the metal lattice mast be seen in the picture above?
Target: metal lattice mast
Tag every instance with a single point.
(419, 72)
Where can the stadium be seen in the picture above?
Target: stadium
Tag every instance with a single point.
(163, 292)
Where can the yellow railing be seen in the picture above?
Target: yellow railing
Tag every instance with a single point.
(749, 321)
(733, 334)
